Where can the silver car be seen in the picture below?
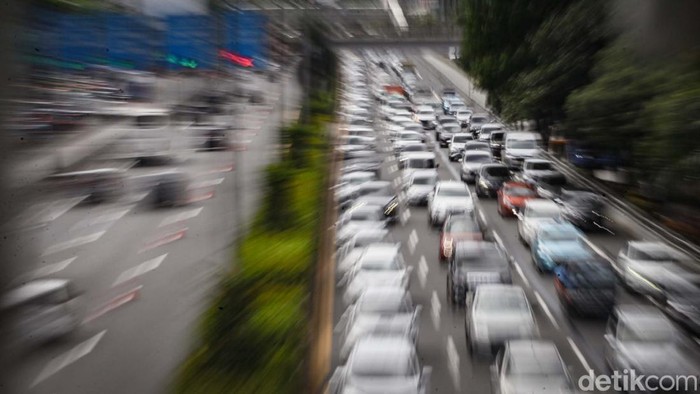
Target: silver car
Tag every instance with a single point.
(380, 252)
(371, 272)
(642, 264)
(382, 365)
(379, 311)
(534, 214)
(471, 162)
(419, 186)
(447, 198)
(526, 366)
(496, 314)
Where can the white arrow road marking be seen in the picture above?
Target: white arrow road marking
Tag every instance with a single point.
(140, 269)
(182, 216)
(105, 218)
(435, 309)
(81, 350)
(52, 268)
(405, 215)
(412, 241)
(422, 271)
(453, 362)
(522, 274)
(73, 243)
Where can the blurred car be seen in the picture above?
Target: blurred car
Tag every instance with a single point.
(642, 265)
(476, 121)
(426, 116)
(512, 197)
(463, 114)
(536, 212)
(495, 314)
(457, 228)
(170, 189)
(98, 185)
(474, 263)
(484, 132)
(549, 185)
(447, 198)
(530, 366)
(444, 120)
(388, 203)
(584, 209)
(534, 168)
(446, 132)
(555, 243)
(471, 162)
(520, 145)
(496, 142)
(476, 146)
(456, 145)
(419, 185)
(415, 147)
(490, 178)
(368, 163)
(41, 310)
(350, 143)
(381, 364)
(386, 311)
(371, 273)
(681, 300)
(413, 161)
(642, 339)
(585, 287)
(404, 138)
(379, 251)
(357, 178)
(347, 196)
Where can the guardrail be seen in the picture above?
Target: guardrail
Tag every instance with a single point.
(638, 223)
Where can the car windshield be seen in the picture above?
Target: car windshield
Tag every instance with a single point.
(502, 302)
(592, 277)
(522, 144)
(461, 138)
(375, 365)
(415, 148)
(652, 254)
(497, 137)
(540, 166)
(462, 226)
(420, 163)
(425, 180)
(558, 180)
(379, 263)
(410, 137)
(647, 330)
(366, 215)
(452, 192)
(479, 146)
(498, 172)
(541, 366)
(425, 112)
(478, 119)
(477, 159)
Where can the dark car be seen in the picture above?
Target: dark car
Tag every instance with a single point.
(170, 190)
(585, 287)
(490, 178)
(681, 299)
(496, 140)
(457, 228)
(584, 209)
(216, 139)
(98, 185)
(549, 185)
(447, 132)
(388, 203)
(474, 263)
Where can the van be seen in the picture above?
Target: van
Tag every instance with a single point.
(520, 145)
(410, 162)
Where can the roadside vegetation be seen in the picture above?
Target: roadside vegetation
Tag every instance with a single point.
(253, 337)
(622, 77)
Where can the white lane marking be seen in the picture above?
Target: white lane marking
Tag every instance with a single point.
(180, 217)
(73, 243)
(393, 168)
(207, 183)
(81, 350)
(412, 241)
(435, 309)
(52, 268)
(136, 197)
(482, 216)
(140, 269)
(546, 310)
(499, 241)
(63, 206)
(402, 197)
(453, 363)
(422, 271)
(448, 164)
(521, 273)
(104, 218)
(578, 353)
(599, 251)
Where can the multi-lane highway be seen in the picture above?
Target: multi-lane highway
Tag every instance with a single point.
(442, 341)
(144, 274)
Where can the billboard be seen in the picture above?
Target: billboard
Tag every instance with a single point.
(190, 42)
(246, 35)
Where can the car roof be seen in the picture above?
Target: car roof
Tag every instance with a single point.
(451, 185)
(499, 290)
(492, 125)
(479, 143)
(32, 290)
(386, 292)
(540, 203)
(378, 348)
(534, 351)
(387, 249)
(558, 227)
(429, 172)
(537, 161)
(461, 135)
(357, 174)
(418, 155)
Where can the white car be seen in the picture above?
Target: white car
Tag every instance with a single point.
(380, 251)
(379, 310)
(447, 198)
(426, 116)
(457, 144)
(535, 213)
(419, 185)
(533, 168)
(644, 265)
(412, 161)
(471, 162)
(374, 273)
(463, 116)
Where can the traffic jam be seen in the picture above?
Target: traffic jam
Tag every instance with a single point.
(468, 261)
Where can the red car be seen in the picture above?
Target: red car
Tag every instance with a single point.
(463, 227)
(512, 195)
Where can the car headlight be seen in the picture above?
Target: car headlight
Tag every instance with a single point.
(483, 182)
(447, 246)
